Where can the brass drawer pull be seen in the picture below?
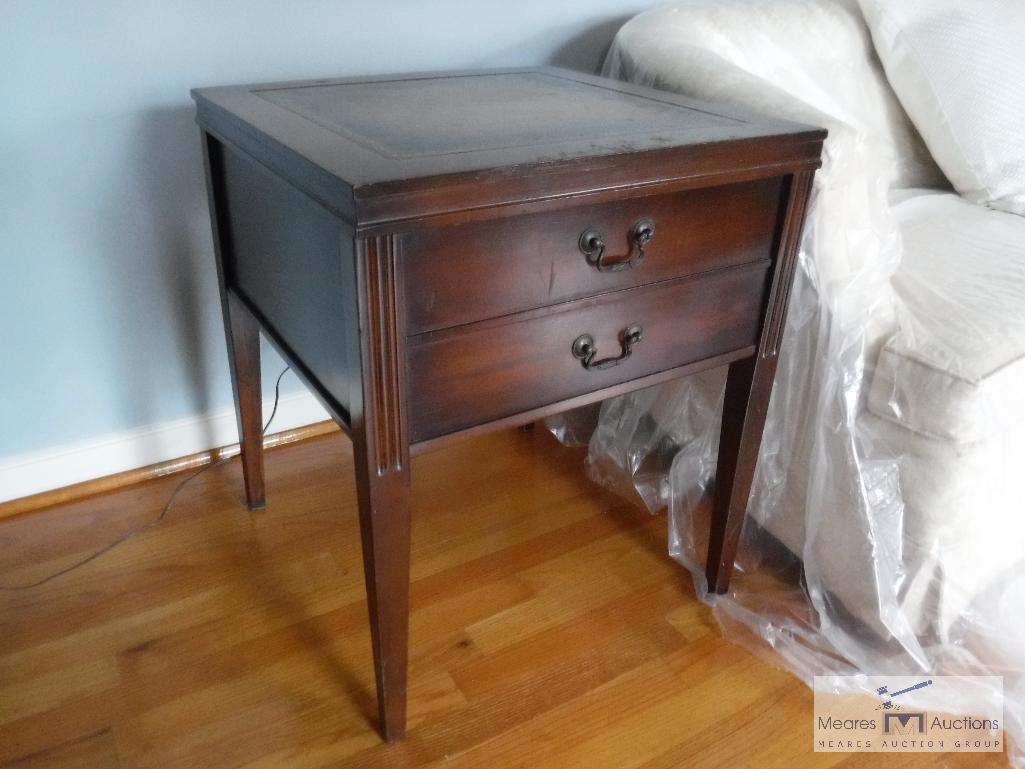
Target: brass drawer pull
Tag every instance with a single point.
(585, 349)
(593, 246)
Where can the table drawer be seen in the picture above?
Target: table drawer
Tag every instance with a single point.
(476, 373)
(464, 273)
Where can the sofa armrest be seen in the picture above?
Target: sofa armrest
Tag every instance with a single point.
(807, 60)
(810, 61)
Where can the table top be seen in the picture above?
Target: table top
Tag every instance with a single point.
(373, 136)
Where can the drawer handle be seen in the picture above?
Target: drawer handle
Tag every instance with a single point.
(585, 349)
(593, 245)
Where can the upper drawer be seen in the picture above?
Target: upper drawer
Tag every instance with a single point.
(484, 269)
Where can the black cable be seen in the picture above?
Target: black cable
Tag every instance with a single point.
(163, 513)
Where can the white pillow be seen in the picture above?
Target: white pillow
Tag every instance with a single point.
(958, 67)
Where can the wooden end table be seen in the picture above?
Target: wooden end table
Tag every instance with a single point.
(438, 255)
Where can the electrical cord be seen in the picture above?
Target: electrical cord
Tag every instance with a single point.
(163, 512)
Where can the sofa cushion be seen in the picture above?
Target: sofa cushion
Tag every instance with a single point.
(955, 369)
(952, 528)
(959, 70)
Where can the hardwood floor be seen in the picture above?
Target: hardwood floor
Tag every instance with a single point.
(549, 629)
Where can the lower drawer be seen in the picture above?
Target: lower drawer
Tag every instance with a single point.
(469, 375)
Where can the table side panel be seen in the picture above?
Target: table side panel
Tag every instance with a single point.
(468, 375)
(295, 262)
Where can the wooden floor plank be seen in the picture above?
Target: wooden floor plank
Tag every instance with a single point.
(548, 629)
(91, 751)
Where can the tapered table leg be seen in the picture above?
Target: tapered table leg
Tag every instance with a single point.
(384, 530)
(748, 387)
(242, 332)
(381, 452)
(244, 357)
(746, 404)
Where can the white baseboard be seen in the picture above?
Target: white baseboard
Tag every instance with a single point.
(53, 468)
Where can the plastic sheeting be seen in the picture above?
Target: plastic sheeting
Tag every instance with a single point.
(886, 527)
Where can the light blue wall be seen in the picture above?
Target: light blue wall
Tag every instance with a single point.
(108, 305)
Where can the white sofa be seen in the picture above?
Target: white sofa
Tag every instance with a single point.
(894, 461)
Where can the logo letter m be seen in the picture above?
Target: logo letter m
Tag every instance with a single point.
(904, 723)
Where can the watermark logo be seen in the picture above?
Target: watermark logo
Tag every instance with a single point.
(900, 714)
(904, 723)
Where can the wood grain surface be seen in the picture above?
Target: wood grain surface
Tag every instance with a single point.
(472, 374)
(352, 144)
(548, 629)
(482, 269)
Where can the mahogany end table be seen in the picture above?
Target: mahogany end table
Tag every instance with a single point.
(437, 255)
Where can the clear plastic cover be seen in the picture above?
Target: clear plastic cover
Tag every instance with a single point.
(886, 527)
